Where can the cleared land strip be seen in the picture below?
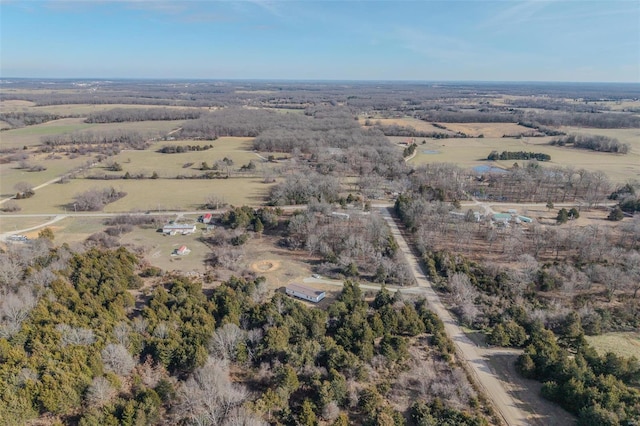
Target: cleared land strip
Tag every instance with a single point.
(508, 408)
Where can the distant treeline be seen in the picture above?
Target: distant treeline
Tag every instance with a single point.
(593, 142)
(409, 131)
(469, 116)
(119, 115)
(603, 120)
(518, 155)
(22, 119)
(177, 149)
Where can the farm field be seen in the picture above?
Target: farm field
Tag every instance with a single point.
(170, 165)
(488, 130)
(623, 344)
(148, 194)
(417, 124)
(32, 135)
(58, 166)
(8, 224)
(472, 152)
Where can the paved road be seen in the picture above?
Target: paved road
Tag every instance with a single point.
(504, 403)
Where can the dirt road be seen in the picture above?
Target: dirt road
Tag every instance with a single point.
(508, 408)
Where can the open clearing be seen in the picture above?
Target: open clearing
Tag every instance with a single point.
(56, 167)
(472, 152)
(9, 224)
(488, 130)
(420, 125)
(150, 194)
(158, 249)
(623, 344)
(171, 165)
(72, 229)
(32, 135)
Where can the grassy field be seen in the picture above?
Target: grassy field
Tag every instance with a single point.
(624, 344)
(10, 224)
(473, 152)
(31, 135)
(10, 175)
(420, 125)
(72, 229)
(142, 195)
(171, 165)
(489, 130)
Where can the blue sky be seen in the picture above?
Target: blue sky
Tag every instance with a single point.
(554, 40)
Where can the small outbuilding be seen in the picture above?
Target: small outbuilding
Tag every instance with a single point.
(206, 218)
(183, 250)
(305, 293)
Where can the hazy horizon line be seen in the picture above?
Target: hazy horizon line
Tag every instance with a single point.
(315, 80)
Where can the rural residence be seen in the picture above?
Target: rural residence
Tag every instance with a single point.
(305, 293)
(178, 228)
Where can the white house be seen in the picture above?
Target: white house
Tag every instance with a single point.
(305, 293)
(178, 228)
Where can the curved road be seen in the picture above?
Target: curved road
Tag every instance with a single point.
(503, 402)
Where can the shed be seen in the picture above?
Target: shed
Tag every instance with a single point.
(183, 250)
(206, 218)
(305, 293)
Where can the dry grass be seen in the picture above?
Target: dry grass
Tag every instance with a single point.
(31, 135)
(11, 224)
(471, 152)
(158, 249)
(489, 130)
(164, 194)
(171, 165)
(419, 125)
(10, 175)
(623, 344)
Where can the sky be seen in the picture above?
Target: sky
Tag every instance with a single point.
(453, 40)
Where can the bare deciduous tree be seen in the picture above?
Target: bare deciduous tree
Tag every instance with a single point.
(75, 335)
(224, 341)
(117, 359)
(99, 393)
(208, 396)
(14, 308)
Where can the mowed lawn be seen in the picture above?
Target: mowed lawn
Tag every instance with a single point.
(149, 194)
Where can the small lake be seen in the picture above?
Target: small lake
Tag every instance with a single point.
(486, 168)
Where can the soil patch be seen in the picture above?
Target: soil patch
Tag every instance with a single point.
(266, 266)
